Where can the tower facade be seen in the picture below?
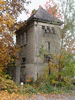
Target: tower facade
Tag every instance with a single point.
(42, 29)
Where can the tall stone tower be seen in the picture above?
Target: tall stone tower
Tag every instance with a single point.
(41, 29)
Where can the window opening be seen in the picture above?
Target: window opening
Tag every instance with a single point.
(48, 46)
(53, 30)
(25, 37)
(21, 40)
(48, 28)
(43, 27)
(45, 30)
(23, 59)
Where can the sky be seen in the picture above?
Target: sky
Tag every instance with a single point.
(34, 5)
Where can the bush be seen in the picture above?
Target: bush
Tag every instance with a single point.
(7, 84)
(73, 82)
(46, 88)
(39, 82)
(30, 89)
(60, 84)
(30, 80)
(70, 87)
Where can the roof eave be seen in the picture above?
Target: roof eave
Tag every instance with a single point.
(45, 21)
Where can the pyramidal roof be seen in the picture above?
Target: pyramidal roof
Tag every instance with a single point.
(42, 15)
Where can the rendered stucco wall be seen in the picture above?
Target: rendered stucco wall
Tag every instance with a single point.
(30, 49)
(54, 39)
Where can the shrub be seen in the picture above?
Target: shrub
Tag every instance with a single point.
(39, 82)
(29, 89)
(46, 88)
(30, 80)
(70, 87)
(73, 82)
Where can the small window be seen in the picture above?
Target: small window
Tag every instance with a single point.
(25, 37)
(53, 30)
(17, 39)
(45, 30)
(48, 46)
(49, 31)
(23, 59)
(48, 28)
(43, 27)
(21, 39)
(46, 58)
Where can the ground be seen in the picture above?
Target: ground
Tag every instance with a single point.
(4, 95)
(52, 97)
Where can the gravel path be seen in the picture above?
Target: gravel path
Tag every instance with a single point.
(52, 97)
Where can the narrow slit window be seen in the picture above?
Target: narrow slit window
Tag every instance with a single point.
(43, 27)
(45, 30)
(48, 28)
(25, 37)
(53, 30)
(21, 41)
(48, 46)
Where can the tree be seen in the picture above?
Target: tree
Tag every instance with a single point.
(66, 56)
(9, 11)
(68, 30)
(67, 15)
(63, 70)
(68, 33)
(61, 67)
(33, 11)
(53, 9)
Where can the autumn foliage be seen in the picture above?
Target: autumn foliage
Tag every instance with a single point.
(53, 9)
(5, 95)
(61, 72)
(9, 11)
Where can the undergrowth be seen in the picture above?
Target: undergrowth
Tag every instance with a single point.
(37, 87)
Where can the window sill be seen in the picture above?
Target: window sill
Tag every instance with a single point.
(23, 45)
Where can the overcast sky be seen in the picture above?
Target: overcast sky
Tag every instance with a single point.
(34, 5)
